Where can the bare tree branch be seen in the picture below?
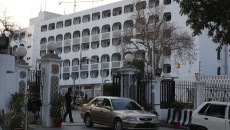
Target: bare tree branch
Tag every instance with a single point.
(159, 35)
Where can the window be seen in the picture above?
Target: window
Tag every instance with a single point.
(22, 35)
(167, 2)
(216, 111)
(166, 68)
(106, 14)
(203, 109)
(68, 23)
(77, 20)
(117, 11)
(86, 18)
(218, 53)
(44, 28)
(96, 16)
(128, 8)
(52, 26)
(229, 113)
(59, 24)
(218, 70)
(106, 102)
(167, 16)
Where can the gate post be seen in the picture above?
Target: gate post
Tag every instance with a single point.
(22, 74)
(199, 94)
(157, 97)
(50, 63)
(7, 73)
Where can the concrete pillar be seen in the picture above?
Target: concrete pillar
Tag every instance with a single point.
(157, 96)
(22, 77)
(50, 64)
(199, 94)
(7, 79)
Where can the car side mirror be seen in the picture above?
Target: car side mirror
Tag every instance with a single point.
(109, 108)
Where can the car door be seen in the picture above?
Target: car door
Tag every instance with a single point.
(95, 109)
(107, 113)
(215, 117)
(228, 120)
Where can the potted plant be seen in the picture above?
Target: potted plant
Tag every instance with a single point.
(57, 109)
(16, 113)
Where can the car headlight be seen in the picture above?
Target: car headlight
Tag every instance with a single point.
(155, 118)
(130, 118)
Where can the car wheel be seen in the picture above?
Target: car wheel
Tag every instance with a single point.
(200, 128)
(118, 125)
(88, 121)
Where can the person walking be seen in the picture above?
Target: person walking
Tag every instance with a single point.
(68, 101)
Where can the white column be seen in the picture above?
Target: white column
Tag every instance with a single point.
(157, 96)
(7, 75)
(22, 77)
(199, 94)
(51, 78)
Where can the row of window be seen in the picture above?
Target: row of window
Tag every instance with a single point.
(105, 14)
(84, 75)
(105, 29)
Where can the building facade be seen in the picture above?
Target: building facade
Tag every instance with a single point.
(89, 43)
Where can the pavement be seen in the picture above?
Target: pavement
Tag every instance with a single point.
(78, 122)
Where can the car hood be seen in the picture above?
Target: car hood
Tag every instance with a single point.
(134, 113)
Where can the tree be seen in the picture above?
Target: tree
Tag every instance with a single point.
(6, 25)
(213, 15)
(154, 30)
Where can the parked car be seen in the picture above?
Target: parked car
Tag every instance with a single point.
(211, 116)
(118, 113)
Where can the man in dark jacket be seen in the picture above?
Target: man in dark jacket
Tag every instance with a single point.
(68, 100)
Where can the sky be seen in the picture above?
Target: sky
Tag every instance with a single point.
(21, 11)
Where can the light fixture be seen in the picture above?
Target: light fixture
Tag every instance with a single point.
(21, 52)
(51, 46)
(129, 58)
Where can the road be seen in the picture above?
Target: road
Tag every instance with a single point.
(79, 125)
(98, 127)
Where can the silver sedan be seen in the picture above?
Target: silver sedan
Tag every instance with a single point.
(118, 113)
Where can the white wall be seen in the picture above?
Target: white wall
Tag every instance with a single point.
(8, 79)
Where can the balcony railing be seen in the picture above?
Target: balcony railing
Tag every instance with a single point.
(85, 67)
(59, 44)
(128, 31)
(43, 46)
(105, 36)
(116, 33)
(116, 64)
(105, 65)
(66, 69)
(85, 39)
(94, 66)
(75, 68)
(76, 41)
(95, 37)
(67, 42)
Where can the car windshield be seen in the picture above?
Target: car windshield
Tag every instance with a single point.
(125, 104)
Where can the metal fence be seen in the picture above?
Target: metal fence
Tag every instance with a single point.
(217, 92)
(177, 93)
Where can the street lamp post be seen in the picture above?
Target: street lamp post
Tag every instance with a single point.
(102, 78)
(74, 78)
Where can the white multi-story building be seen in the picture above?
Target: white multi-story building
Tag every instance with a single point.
(95, 34)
